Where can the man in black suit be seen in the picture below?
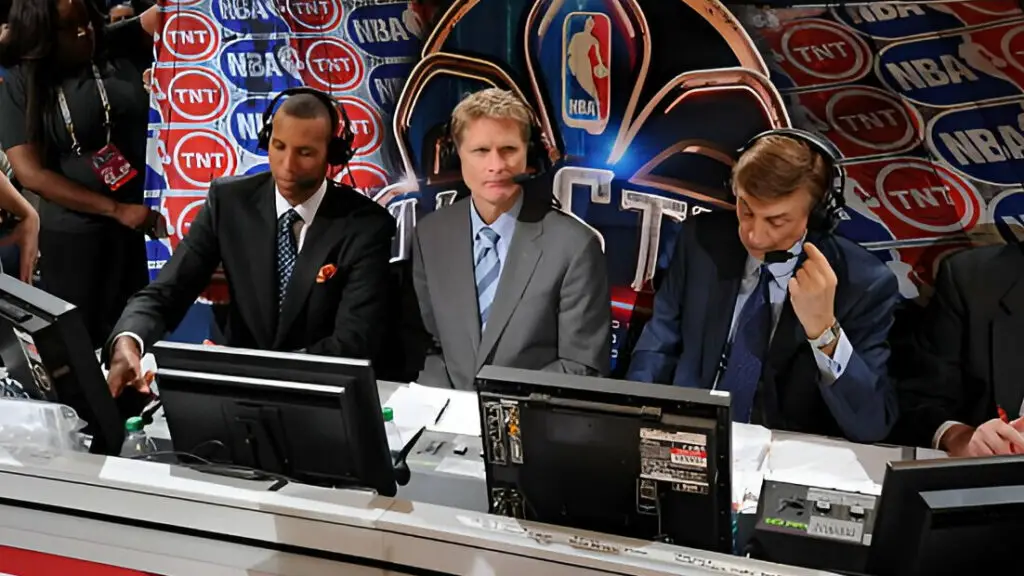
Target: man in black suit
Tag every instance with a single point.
(306, 259)
(767, 304)
(968, 357)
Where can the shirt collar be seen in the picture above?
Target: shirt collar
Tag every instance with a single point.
(505, 225)
(780, 271)
(306, 210)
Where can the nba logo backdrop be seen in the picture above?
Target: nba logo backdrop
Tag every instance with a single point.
(641, 104)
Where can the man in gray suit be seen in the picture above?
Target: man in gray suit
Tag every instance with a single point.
(503, 278)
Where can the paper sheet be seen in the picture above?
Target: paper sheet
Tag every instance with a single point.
(415, 407)
(461, 417)
(820, 465)
(463, 467)
(8, 460)
(750, 445)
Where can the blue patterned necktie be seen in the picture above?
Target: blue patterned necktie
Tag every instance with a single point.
(487, 270)
(747, 350)
(287, 252)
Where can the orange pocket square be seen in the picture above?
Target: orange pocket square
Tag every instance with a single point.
(326, 273)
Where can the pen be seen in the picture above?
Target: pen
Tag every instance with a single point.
(441, 413)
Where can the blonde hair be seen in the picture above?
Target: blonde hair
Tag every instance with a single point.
(491, 103)
(776, 166)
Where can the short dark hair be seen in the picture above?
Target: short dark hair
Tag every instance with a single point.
(308, 107)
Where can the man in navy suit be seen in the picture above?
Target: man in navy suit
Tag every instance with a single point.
(791, 320)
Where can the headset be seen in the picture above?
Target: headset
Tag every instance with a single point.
(830, 210)
(339, 149)
(536, 153)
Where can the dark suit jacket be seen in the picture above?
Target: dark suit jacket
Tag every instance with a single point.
(342, 316)
(684, 340)
(967, 351)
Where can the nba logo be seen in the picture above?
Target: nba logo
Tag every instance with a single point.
(586, 76)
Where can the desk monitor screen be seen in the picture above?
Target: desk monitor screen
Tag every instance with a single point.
(949, 516)
(46, 350)
(625, 458)
(313, 419)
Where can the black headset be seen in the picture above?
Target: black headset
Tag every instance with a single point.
(536, 152)
(830, 210)
(339, 149)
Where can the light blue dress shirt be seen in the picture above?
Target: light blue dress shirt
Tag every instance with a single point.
(831, 369)
(505, 226)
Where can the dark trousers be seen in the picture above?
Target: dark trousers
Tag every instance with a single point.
(97, 271)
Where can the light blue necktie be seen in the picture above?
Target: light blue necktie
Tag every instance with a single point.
(487, 271)
(287, 252)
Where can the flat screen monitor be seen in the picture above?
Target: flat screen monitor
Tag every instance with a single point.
(313, 419)
(949, 516)
(47, 353)
(626, 458)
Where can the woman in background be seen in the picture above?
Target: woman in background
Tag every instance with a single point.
(75, 115)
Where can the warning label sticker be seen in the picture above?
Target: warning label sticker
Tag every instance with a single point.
(680, 458)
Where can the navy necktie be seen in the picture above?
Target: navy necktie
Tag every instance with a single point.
(287, 252)
(747, 350)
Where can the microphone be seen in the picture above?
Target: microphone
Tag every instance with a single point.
(778, 256)
(525, 177)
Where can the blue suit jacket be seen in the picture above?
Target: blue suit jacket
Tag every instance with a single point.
(682, 344)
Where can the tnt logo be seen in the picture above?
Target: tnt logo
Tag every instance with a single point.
(311, 16)
(913, 198)
(332, 65)
(365, 124)
(190, 94)
(816, 52)
(197, 157)
(860, 120)
(363, 176)
(190, 37)
(586, 76)
(182, 3)
(180, 211)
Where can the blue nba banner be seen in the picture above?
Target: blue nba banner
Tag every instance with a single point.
(641, 106)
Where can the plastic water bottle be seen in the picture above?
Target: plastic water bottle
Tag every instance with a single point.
(391, 428)
(136, 443)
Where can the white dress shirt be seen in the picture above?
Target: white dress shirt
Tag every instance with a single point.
(306, 211)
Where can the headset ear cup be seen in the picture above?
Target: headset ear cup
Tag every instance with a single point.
(263, 138)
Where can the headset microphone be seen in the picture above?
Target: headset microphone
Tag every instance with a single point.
(526, 177)
(778, 256)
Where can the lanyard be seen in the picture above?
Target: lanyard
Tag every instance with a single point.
(75, 146)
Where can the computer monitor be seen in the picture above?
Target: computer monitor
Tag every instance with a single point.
(46, 349)
(626, 458)
(313, 419)
(949, 516)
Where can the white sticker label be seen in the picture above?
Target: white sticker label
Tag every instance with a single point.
(836, 529)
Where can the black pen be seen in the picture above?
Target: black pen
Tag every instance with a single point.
(441, 413)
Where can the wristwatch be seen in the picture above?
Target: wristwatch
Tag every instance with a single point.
(827, 338)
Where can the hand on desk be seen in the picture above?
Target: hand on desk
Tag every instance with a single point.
(126, 368)
(993, 438)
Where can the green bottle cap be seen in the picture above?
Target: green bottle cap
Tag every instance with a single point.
(389, 414)
(134, 424)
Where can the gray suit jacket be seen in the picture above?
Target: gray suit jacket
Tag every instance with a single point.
(552, 309)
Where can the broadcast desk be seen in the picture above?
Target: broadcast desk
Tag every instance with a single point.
(167, 520)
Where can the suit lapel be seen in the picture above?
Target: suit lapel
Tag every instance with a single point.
(454, 251)
(1007, 325)
(321, 237)
(262, 258)
(523, 255)
(730, 259)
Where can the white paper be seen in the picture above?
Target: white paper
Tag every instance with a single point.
(818, 465)
(463, 466)
(7, 460)
(462, 416)
(415, 407)
(750, 445)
